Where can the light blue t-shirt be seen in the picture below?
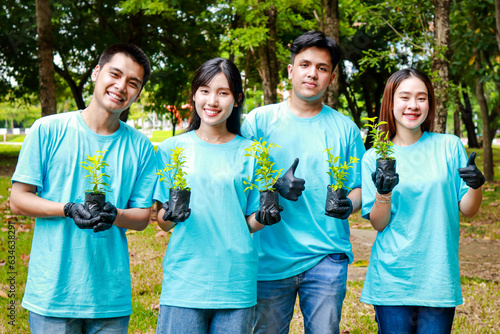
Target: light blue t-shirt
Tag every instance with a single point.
(305, 234)
(414, 260)
(211, 262)
(77, 273)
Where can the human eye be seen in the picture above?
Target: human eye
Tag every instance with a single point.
(134, 84)
(323, 69)
(304, 65)
(113, 74)
(422, 98)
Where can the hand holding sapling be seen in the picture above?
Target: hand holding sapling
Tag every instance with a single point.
(472, 176)
(289, 186)
(177, 210)
(269, 209)
(108, 216)
(337, 204)
(385, 178)
(83, 218)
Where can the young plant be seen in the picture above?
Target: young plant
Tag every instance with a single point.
(174, 173)
(380, 139)
(339, 173)
(93, 165)
(266, 176)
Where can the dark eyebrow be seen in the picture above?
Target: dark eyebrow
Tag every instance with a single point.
(118, 70)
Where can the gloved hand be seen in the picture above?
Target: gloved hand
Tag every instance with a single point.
(340, 208)
(471, 174)
(385, 179)
(108, 216)
(289, 186)
(83, 219)
(268, 215)
(179, 216)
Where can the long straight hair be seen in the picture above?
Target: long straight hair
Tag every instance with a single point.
(204, 74)
(386, 109)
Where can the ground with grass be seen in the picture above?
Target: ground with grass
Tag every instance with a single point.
(479, 254)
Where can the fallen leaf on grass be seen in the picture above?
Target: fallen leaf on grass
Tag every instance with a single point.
(161, 234)
(4, 229)
(494, 203)
(131, 232)
(361, 263)
(155, 307)
(2, 262)
(465, 224)
(25, 257)
(3, 294)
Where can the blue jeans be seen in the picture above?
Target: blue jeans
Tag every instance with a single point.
(321, 291)
(40, 324)
(181, 320)
(414, 319)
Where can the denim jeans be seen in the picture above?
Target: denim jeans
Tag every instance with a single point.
(321, 291)
(181, 320)
(414, 319)
(40, 324)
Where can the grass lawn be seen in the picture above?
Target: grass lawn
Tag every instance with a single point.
(478, 314)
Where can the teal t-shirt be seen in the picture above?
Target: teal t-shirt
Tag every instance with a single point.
(77, 273)
(305, 234)
(414, 260)
(211, 262)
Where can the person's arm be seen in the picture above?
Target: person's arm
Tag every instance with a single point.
(471, 202)
(253, 224)
(133, 219)
(24, 201)
(164, 225)
(355, 197)
(380, 214)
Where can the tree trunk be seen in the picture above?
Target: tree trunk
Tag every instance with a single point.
(466, 111)
(47, 81)
(487, 133)
(440, 63)
(497, 15)
(268, 61)
(457, 128)
(332, 29)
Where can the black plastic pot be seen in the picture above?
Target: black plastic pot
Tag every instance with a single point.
(332, 197)
(179, 201)
(268, 199)
(387, 167)
(94, 203)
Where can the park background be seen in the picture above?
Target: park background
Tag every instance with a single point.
(48, 49)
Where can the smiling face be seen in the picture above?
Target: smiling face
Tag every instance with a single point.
(411, 104)
(118, 83)
(311, 73)
(214, 102)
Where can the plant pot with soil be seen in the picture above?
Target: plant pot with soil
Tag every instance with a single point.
(175, 176)
(265, 175)
(339, 173)
(95, 197)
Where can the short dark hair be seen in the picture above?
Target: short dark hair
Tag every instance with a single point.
(386, 108)
(321, 41)
(204, 74)
(130, 50)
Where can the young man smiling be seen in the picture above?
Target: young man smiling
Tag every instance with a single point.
(308, 253)
(79, 276)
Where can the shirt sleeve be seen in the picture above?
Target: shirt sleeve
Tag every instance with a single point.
(142, 193)
(31, 164)
(368, 189)
(249, 126)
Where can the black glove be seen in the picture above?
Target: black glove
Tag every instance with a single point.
(268, 215)
(83, 219)
(385, 179)
(289, 186)
(177, 217)
(340, 208)
(471, 174)
(108, 216)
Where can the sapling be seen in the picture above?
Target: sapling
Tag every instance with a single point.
(340, 172)
(175, 176)
(385, 168)
(265, 178)
(265, 175)
(95, 197)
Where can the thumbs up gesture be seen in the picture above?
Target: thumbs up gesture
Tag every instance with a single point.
(289, 186)
(471, 174)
